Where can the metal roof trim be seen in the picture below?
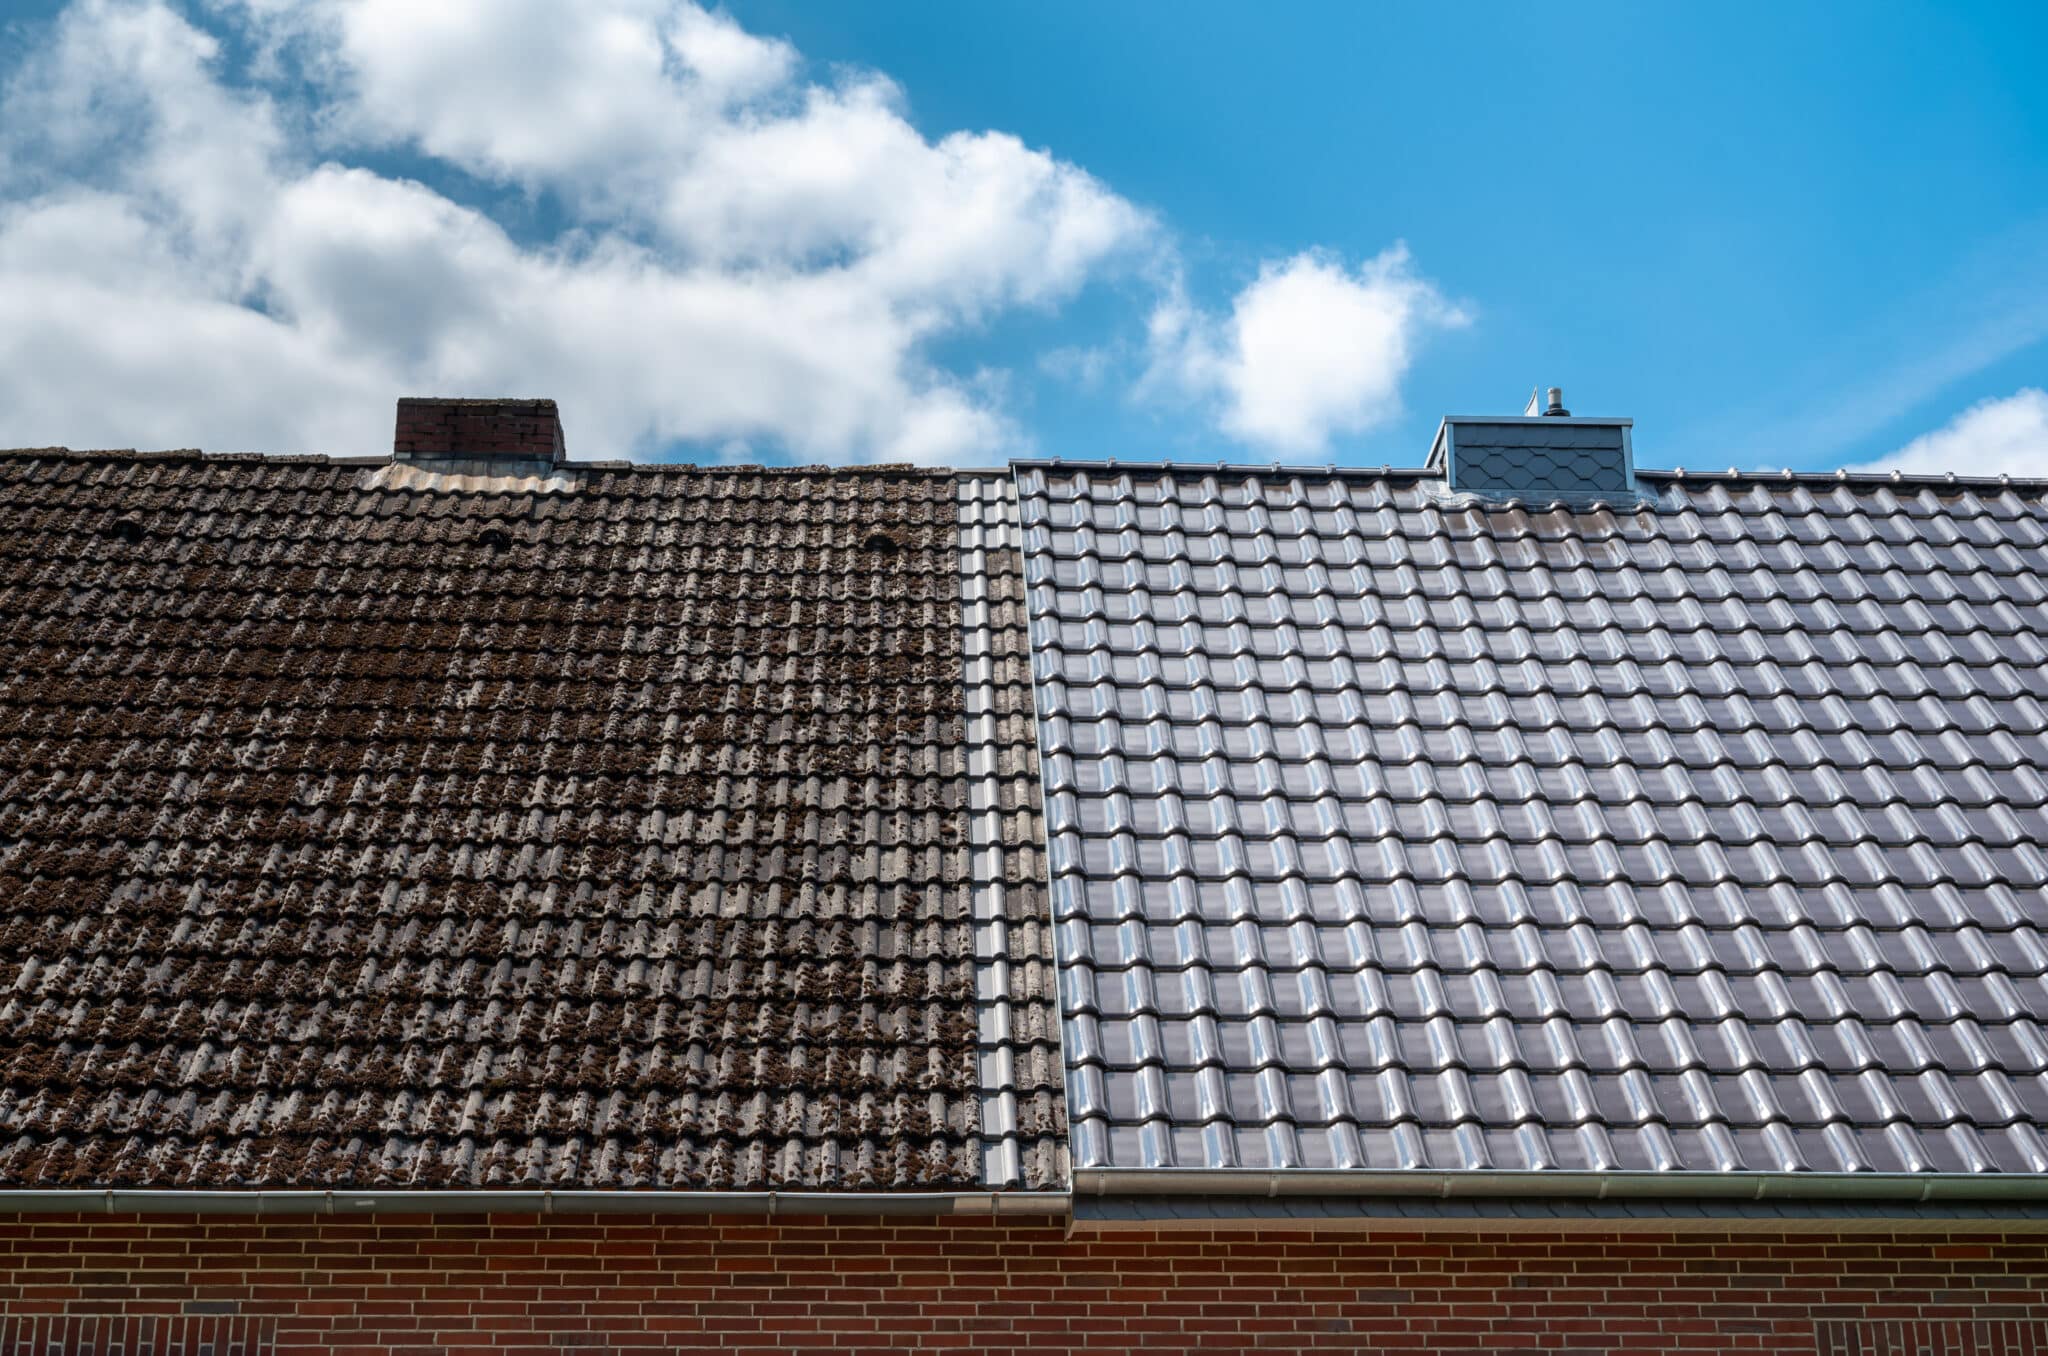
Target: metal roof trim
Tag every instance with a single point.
(1274, 470)
(1683, 1185)
(1549, 1216)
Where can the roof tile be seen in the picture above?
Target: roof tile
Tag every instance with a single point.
(1389, 830)
(359, 830)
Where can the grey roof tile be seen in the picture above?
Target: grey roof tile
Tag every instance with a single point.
(1023, 1115)
(1389, 830)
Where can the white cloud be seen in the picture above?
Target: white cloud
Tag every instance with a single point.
(1080, 365)
(1993, 438)
(741, 255)
(676, 122)
(748, 259)
(1310, 349)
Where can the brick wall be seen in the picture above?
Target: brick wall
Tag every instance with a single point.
(387, 1284)
(520, 429)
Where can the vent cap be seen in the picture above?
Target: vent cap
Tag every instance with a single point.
(1544, 454)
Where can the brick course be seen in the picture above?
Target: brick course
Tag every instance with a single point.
(477, 428)
(378, 1284)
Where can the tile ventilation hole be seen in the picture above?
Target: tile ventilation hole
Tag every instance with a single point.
(126, 530)
(494, 536)
(881, 542)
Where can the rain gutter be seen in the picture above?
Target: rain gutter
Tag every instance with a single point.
(1554, 1185)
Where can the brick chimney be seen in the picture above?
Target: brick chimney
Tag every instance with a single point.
(479, 437)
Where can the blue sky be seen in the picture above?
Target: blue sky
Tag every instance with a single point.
(1770, 233)
(1774, 235)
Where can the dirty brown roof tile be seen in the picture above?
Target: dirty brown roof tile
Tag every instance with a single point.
(612, 830)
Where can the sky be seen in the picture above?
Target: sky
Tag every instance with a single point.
(1795, 235)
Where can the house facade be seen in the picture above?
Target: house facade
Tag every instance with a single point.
(473, 898)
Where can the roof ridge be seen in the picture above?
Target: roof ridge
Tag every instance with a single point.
(194, 454)
(1842, 475)
(1732, 475)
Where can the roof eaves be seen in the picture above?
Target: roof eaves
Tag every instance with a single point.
(1564, 1185)
(1551, 1216)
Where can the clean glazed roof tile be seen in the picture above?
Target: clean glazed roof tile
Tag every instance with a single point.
(1022, 1113)
(1391, 830)
(366, 826)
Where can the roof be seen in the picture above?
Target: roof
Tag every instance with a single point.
(363, 826)
(1389, 830)
(600, 827)
(1016, 991)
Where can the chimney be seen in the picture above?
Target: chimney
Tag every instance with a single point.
(1545, 454)
(477, 437)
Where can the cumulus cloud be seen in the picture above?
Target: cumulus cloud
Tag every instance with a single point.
(635, 206)
(2007, 437)
(188, 256)
(1310, 349)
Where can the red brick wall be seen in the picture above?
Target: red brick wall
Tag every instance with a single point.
(386, 1284)
(477, 428)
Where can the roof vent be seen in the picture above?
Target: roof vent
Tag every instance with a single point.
(1546, 453)
(477, 437)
